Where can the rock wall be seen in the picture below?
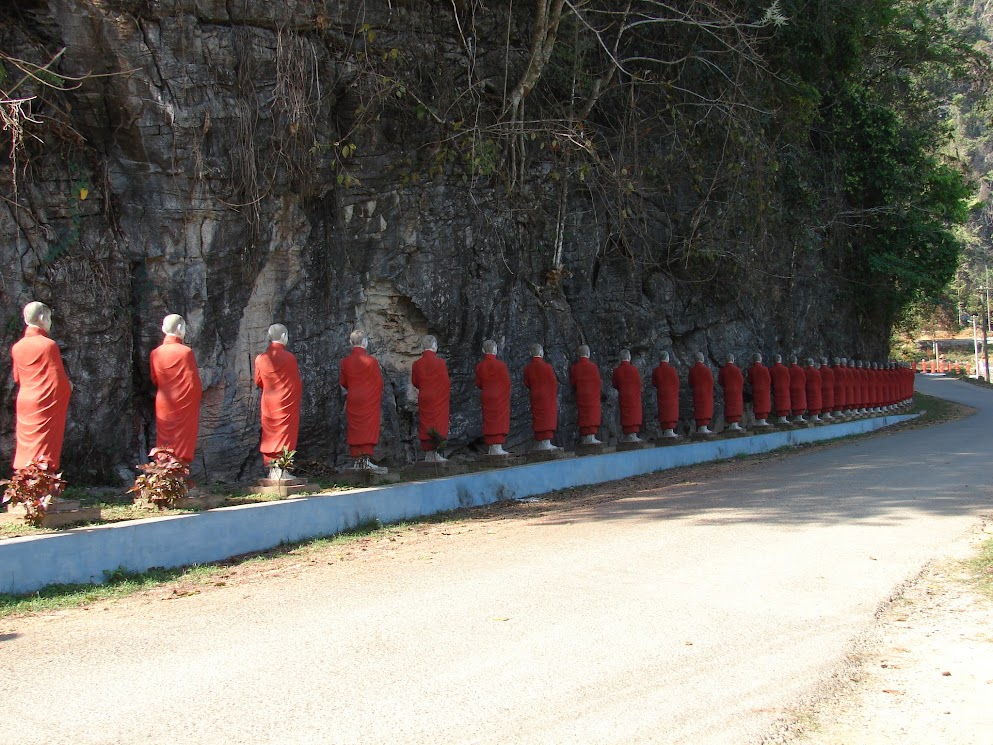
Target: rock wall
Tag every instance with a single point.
(203, 175)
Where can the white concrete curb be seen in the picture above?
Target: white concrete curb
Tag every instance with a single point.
(84, 555)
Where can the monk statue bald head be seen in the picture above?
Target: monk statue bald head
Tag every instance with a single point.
(793, 359)
(489, 347)
(429, 344)
(730, 359)
(278, 334)
(625, 355)
(777, 358)
(174, 325)
(38, 315)
(699, 357)
(537, 350)
(757, 357)
(583, 351)
(664, 356)
(358, 339)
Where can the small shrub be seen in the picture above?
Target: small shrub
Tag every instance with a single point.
(164, 480)
(284, 461)
(36, 487)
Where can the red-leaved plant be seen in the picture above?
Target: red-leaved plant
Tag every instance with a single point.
(35, 486)
(164, 480)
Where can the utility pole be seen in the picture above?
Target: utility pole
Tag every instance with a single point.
(975, 341)
(989, 325)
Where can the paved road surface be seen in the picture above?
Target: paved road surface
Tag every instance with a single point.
(694, 614)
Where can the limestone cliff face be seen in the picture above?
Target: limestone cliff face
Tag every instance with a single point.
(205, 175)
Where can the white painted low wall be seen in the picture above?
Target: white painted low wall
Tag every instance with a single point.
(83, 555)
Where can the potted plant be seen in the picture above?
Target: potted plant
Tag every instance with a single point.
(279, 467)
(36, 487)
(164, 480)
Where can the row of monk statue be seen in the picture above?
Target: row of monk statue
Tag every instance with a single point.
(819, 390)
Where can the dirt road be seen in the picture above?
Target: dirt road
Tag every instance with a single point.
(698, 612)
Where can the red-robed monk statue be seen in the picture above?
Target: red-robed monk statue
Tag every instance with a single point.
(780, 375)
(540, 380)
(665, 378)
(798, 391)
(278, 375)
(584, 377)
(627, 380)
(732, 382)
(362, 380)
(493, 380)
(761, 383)
(429, 375)
(813, 377)
(840, 388)
(827, 390)
(177, 398)
(43, 391)
(701, 381)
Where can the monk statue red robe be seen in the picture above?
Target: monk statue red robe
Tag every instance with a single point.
(429, 375)
(362, 380)
(859, 387)
(43, 391)
(540, 380)
(813, 378)
(761, 383)
(732, 382)
(278, 375)
(493, 380)
(584, 377)
(665, 378)
(798, 391)
(627, 380)
(177, 398)
(701, 381)
(840, 389)
(827, 390)
(780, 375)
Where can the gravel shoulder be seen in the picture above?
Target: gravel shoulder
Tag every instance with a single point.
(924, 674)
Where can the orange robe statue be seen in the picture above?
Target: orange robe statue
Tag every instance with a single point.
(540, 380)
(732, 383)
(798, 390)
(177, 400)
(840, 390)
(278, 375)
(361, 377)
(701, 381)
(42, 399)
(813, 378)
(827, 389)
(429, 375)
(584, 377)
(761, 382)
(666, 381)
(780, 375)
(627, 380)
(493, 379)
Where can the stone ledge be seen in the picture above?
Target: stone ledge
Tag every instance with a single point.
(83, 555)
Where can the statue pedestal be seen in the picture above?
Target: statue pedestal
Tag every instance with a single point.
(663, 441)
(61, 512)
(732, 433)
(430, 468)
(539, 456)
(702, 436)
(593, 449)
(283, 487)
(363, 477)
(625, 446)
(498, 461)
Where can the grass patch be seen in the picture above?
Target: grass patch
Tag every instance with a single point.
(935, 410)
(121, 583)
(982, 568)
